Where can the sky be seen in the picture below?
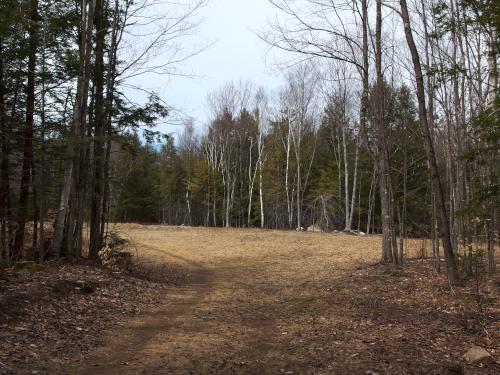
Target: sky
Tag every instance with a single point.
(236, 54)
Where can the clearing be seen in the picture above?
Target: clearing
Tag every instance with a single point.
(272, 302)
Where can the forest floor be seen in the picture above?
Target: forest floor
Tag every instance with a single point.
(228, 301)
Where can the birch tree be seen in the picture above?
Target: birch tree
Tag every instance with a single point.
(301, 92)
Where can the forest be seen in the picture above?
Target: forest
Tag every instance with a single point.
(371, 130)
(386, 123)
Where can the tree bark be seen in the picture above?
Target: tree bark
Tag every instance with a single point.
(346, 178)
(110, 87)
(437, 188)
(27, 164)
(382, 147)
(493, 65)
(354, 184)
(261, 197)
(4, 165)
(287, 171)
(95, 242)
(62, 223)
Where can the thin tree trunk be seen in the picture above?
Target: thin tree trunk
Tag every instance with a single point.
(99, 121)
(366, 86)
(299, 182)
(287, 168)
(4, 165)
(214, 202)
(493, 64)
(402, 229)
(27, 133)
(346, 181)
(354, 184)
(261, 195)
(491, 243)
(371, 198)
(110, 86)
(251, 180)
(36, 213)
(40, 249)
(62, 224)
(382, 152)
(437, 188)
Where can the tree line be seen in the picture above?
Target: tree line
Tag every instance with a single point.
(387, 122)
(281, 168)
(67, 71)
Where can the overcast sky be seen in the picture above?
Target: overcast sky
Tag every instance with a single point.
(237, 53)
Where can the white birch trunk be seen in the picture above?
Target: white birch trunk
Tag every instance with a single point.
(354, 184)
(346, 182)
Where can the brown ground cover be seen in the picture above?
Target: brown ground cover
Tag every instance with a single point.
(255, 302)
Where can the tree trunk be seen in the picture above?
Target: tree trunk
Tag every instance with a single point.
(62, 224)
(28, 133)
(371, 198)
(354, 184)
(287, 172)
(299, 181)
(95, 242)
(110, 86)
(36, 213)
(437, 188)
(251, 180)
(42, 200)
(382, 151)
(4, 165)
(493, 64)
(363, 110)
(261, 196)
(346, 180)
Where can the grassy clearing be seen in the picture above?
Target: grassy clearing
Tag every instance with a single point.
(249, 301)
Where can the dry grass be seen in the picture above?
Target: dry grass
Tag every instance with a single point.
(270, 302)
(248, 301)
(211, 246)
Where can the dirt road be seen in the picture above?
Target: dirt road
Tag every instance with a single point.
(273, 303)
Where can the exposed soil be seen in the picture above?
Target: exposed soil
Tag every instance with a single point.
(269, 302)
(53, 314)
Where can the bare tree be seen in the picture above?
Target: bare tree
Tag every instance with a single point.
(187, 147)
(221, 145)
(283, 117)
(320, 29)
(261, 115)
(339, 92)
(437, 188)
(301, 93)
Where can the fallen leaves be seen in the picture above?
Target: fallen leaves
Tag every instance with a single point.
(269, 302)
(59, 313)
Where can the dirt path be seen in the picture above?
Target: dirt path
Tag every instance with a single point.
(143, 342)
(270, 304)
